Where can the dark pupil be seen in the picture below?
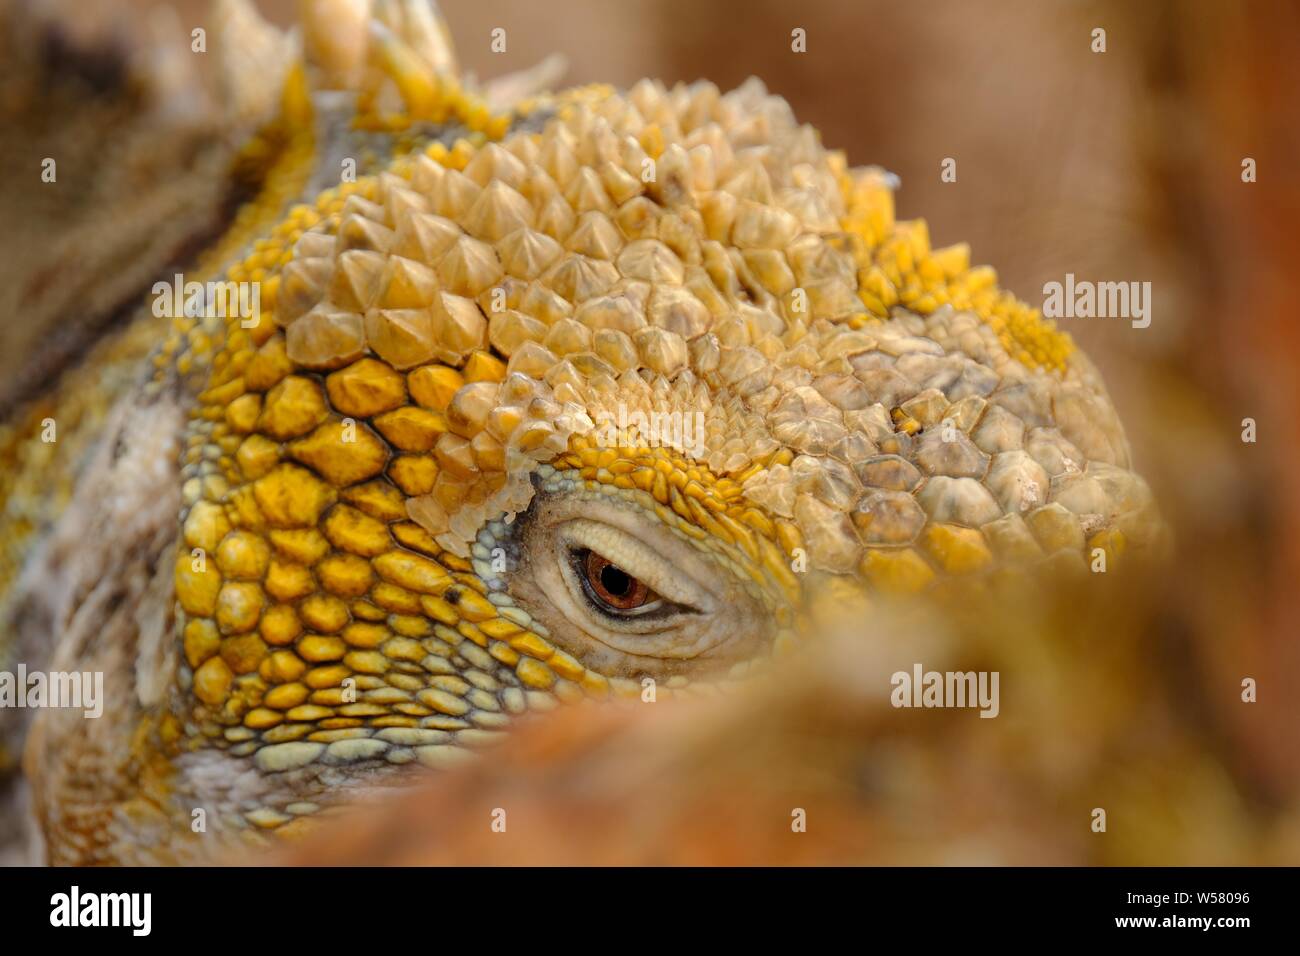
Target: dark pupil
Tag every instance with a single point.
(615, 581)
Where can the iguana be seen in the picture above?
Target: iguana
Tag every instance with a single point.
(424, 486)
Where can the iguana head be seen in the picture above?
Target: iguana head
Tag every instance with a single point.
(577, 399)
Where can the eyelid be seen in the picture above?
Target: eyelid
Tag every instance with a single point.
(640, 560)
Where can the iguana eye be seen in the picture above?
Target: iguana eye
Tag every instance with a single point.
(633, 582)
(626, 595)
(612, 589)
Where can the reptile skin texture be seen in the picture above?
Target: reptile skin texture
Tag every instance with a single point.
(424, 490)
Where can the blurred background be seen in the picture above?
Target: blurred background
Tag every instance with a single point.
(1117, 166)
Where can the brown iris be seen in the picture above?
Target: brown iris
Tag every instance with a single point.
(614, 586)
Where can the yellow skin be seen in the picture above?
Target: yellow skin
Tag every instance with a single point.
(390, 487)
